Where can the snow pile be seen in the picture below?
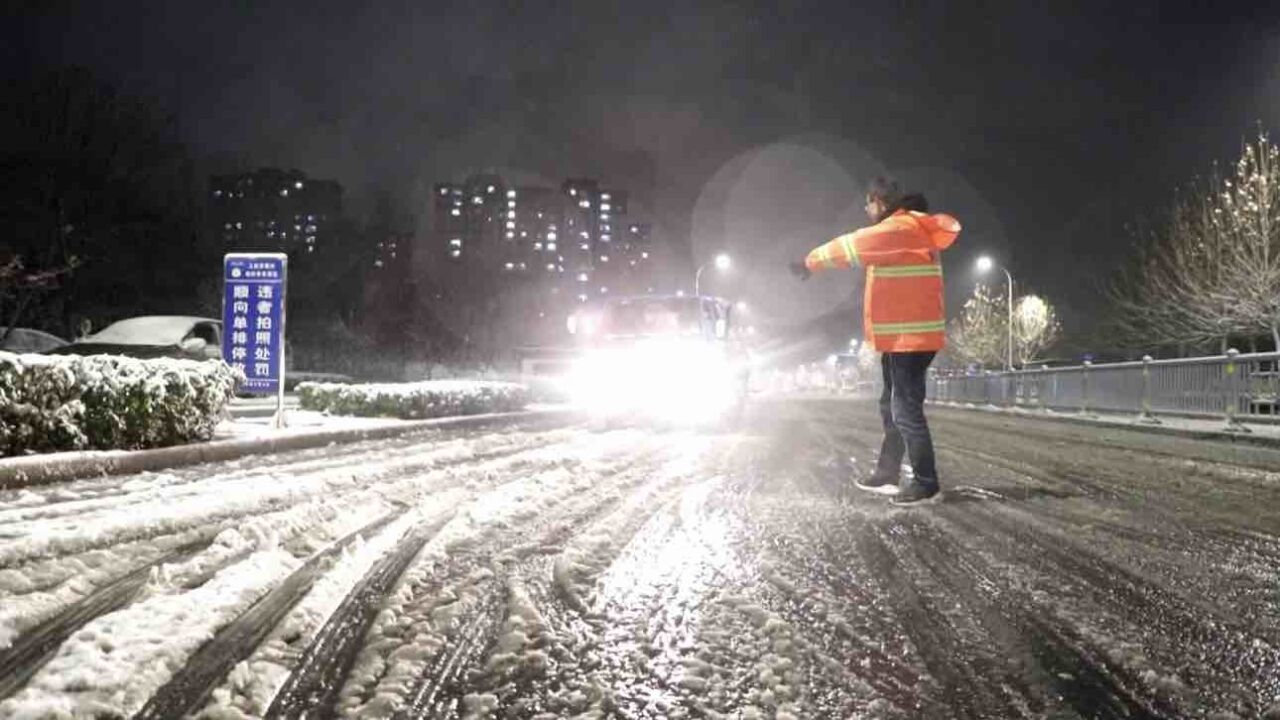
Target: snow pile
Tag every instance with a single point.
(433, 398)
(52, 403)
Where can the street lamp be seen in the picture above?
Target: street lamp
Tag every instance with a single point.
(985, 263)
(721, 262)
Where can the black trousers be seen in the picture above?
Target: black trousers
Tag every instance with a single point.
(902, 411)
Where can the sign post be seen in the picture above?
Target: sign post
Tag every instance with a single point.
(253, 303)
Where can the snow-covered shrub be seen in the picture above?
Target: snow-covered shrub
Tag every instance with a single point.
(433, 398)
(50, 403)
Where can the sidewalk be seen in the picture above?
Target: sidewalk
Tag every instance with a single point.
(1258, 433)
(238, 438)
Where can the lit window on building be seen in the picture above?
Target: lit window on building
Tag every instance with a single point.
(455, 253)
(444, 191)
(489, 189)
(298, 185)
(606, 238)
(551, 267)
(477, 200)
(510, 265)
(456, 242)
(537, 246)
(584, 246)
(512, 203)
(582, 298)
(583, 277)
(551, 236)
(455, 212)
(604, 290)
(604, 258)
(584, 203)
(511, 214)
(511, 193)
(604, 196)
(511, 234)
(551, 247)
(284, 192)
(605, 207)
(511, 225)
(644, 255)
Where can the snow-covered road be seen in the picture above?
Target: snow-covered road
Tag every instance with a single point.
(541, 571)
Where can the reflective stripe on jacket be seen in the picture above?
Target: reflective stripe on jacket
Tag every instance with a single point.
(902, 310)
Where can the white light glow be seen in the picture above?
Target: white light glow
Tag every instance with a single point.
(667, 380)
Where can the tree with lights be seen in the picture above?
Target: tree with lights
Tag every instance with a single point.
(1213, 272)
(980, 334)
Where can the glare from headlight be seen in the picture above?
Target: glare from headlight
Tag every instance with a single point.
(678, 382)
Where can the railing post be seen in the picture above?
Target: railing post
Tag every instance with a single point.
(1146, 416)
(1040, 388)
(1231, 391)
(1084, 383)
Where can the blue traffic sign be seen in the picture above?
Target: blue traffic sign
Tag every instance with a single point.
(253, 318)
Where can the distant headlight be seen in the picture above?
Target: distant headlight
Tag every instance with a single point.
(680, 381)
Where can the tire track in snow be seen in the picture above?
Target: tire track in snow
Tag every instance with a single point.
(251, 497)
(312, 689)
(506, 616)
(188, 687)
(32, 649)
(451, 589)
(163, 487)
(1163, 642)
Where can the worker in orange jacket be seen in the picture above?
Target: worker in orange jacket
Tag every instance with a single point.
(903, 318)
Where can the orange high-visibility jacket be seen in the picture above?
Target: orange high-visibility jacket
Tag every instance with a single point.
(902, 309)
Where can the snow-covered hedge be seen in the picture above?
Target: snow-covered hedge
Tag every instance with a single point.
(50, 403)
(433, 398)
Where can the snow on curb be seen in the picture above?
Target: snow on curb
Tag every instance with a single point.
(58, 467)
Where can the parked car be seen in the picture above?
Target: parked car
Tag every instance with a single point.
(154, 336)
(27, 340)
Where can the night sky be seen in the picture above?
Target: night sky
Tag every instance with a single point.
(751, 128)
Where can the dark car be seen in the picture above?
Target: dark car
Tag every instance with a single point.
(154, 336)
(27, 340)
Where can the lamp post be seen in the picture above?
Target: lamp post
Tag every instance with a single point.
(985, 263)
(721, 262)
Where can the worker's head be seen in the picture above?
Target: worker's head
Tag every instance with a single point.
(882, 194)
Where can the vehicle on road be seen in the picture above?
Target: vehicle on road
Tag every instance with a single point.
(660, 357)
(154, 336)
(29, 340)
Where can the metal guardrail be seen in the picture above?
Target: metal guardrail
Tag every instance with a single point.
(1231, 386)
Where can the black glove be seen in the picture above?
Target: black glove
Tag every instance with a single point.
(799, 269)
